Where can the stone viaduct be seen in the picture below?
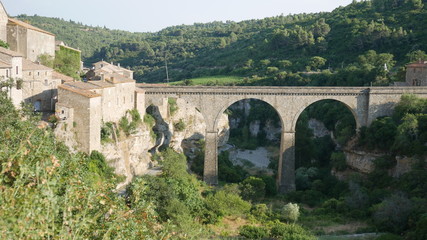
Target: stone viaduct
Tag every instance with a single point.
(366, 104)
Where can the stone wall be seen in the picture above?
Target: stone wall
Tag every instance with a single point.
(3, 23)
(417, 76)
(38, 86)
(39, 43)
(86, 120)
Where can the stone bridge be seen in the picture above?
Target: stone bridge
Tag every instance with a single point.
(365, 103)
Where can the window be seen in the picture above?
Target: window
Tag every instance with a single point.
(38, 73)
(29, 74)
(17, 70)
(7, 72)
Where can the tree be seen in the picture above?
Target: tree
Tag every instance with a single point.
(416, 55)
(317, 62)
(291, 212)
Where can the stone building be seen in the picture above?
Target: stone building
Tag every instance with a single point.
(24, 38)
(11, 72)
(416, 74)
(32, 82)
(86, 105)
(103, 67)
(39, 86)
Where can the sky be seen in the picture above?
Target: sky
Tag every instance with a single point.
(154, 15)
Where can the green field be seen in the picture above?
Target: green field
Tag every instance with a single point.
(211, 80)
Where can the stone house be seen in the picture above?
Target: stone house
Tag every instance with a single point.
(11, 69)
(39, 86)
(102, 67)
(87, 105)
(416, 74)
(32, 82)
(24, 38)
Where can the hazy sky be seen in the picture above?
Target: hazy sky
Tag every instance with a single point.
(154, 15)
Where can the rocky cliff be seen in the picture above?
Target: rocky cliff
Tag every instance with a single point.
(181, 125)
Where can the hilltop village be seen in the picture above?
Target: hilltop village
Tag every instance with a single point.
(117, 159)
(107, 93)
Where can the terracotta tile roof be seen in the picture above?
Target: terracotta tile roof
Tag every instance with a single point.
(82, 85)
(110, 67)
(101, 84)
(10, 52)
(82, 92)
(28, 26)
(63, 77)
(417, 65)
(4, 64)
(27, 65)
(118, 78)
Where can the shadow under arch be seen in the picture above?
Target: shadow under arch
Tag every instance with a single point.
(233, 101)
(341, 125)
(276, 119)
(306, 106)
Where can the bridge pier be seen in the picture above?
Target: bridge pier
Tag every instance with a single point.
(286, 171)
(210, 171)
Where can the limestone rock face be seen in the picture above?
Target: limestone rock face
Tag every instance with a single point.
(63, 132)
(185, 126)
(130, 156)
(361, 161)
(319, 129)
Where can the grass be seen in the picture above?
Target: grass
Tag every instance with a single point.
(211, 80)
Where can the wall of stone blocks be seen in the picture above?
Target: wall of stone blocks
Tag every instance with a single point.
(39, 43)
(87, 118)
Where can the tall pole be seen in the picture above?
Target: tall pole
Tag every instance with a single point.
(166, 65)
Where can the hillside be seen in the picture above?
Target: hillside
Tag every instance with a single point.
(270, 48)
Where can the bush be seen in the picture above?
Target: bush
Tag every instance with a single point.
(253, 232)
(388, 236)
(253, 188)
(291, 212)
(393, 213)
(338, 161)
(179, 126)
(290, 232)
(224, 203)
(173, 107)
(260, 212)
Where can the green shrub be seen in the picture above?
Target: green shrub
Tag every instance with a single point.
(179, 126)
(106, 131)
(253, 232)
(173, 107)
(393, 213)
(291, 212)
(338, 161)
(136, 117)
(389, 236)
(253, 188)
(225, 203)
(289, 232)
(260, 212)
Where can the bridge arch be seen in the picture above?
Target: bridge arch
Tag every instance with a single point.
(232, 101)
(349, 106)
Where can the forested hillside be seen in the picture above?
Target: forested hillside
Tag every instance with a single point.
(273, 49)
